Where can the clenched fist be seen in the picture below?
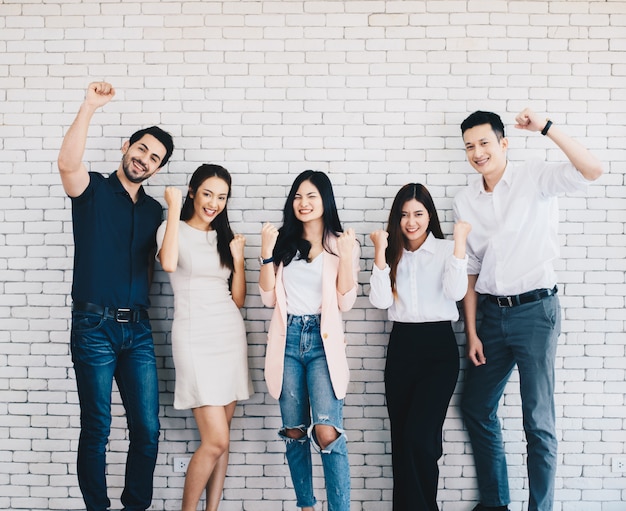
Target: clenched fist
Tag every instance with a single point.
(99, 94)
(173, 198)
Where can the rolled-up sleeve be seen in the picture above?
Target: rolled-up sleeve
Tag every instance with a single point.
(455, 278)
(473, 263)
(556, 179)
(381, 295)
(268, 297)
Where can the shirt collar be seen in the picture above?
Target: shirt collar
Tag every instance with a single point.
(507, 176)
(427, 246)
(119, 188)
(478, 185)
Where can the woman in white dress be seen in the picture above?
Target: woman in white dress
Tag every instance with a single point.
(205, 261)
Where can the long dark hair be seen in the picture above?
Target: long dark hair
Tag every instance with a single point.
(396, 241)
(220, 223)
(290, 240)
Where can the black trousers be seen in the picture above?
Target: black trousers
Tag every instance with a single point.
(420, 375)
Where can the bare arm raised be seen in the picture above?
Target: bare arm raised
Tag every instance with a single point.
(73, 172)
(585, 162)
(267, 274)
(168, 255)
(238, 283)
(345, 272)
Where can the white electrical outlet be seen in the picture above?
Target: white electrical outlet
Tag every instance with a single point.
(618, 465)
(180, 464)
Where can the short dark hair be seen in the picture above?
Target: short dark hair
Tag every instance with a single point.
(162, 136)
(479, 118)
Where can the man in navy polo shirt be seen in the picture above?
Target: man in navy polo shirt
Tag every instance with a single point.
(114, 223)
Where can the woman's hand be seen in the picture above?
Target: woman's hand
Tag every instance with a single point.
(461, 230)
(345, 244)
(173, 198)
(267, 277)
(237, 245)
(269, 235)
(238, 282)
(380, 238)
(168, 255)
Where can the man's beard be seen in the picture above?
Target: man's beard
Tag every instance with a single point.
(133, 178)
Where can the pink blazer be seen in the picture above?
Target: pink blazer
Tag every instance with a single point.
(331, 325)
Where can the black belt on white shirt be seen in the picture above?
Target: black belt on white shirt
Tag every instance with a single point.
(515, 300)
(119, 315)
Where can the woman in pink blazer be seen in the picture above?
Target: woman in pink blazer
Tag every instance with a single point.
(312, 280)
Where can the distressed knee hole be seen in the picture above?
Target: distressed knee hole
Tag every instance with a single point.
(325, 436)
(297, 434)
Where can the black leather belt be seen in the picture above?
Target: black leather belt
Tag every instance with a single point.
(531, 296)
(119, 315)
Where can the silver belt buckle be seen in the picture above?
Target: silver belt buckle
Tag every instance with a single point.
(122, 315)
(504, 301)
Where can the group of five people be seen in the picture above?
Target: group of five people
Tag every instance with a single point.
(499, 261)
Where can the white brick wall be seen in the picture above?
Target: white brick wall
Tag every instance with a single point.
(371, 92)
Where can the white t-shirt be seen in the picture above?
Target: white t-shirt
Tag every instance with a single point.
(303, 286)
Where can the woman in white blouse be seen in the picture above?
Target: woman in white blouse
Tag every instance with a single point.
(418, 277)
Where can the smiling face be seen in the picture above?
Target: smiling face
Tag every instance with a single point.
(486, 153)
(307, 203)
(208, 202)
(414, 223)
(142, 159)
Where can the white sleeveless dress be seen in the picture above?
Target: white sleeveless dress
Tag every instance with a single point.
(209, 345)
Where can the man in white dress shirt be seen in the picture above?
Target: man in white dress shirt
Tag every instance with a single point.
(513, 210)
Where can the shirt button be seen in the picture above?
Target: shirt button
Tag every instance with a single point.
(325, 336)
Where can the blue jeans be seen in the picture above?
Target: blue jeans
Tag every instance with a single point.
(307, 398)
(103, 349)
(525, 336)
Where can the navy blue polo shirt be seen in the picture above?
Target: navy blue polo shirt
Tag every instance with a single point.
(114, 240)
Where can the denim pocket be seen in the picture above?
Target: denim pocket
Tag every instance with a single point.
(84, 322)
(145, 326)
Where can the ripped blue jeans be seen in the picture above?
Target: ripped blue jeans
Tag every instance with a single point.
(307, 399)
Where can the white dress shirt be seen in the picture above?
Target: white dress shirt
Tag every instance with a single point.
(429, 282)
(514, 236)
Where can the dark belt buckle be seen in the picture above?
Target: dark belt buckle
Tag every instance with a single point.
(123, 315)
(504, 301)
